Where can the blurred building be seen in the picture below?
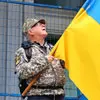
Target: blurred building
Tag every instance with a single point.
(58, 13)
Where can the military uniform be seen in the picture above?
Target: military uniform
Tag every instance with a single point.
(52, 79)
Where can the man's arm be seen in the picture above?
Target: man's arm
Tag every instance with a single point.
(26, 69)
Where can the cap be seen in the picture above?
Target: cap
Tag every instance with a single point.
(31, 22)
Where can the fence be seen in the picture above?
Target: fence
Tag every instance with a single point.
(12, 15)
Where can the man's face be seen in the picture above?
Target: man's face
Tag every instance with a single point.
(39, 30)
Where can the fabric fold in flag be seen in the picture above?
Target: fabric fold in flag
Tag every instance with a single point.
(79, 47)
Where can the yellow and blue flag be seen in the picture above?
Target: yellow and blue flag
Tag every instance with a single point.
(79, 47)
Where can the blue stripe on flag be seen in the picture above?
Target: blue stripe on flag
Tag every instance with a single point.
(92, 8)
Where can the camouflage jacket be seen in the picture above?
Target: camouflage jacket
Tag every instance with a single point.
(52, 76)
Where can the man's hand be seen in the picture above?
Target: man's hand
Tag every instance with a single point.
(50, 58)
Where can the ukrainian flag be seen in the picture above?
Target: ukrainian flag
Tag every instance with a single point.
(79, 47)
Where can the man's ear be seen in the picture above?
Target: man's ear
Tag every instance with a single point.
(30, 32)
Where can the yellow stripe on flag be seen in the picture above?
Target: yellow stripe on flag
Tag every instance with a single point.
(79, 47)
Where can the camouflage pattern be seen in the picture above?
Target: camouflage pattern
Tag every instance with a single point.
(53, 74)
(31, 22)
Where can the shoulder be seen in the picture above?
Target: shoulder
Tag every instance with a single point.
(50, 45)
(20, 54)
(19, 51)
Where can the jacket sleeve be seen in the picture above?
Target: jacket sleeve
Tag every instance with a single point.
(26, 69)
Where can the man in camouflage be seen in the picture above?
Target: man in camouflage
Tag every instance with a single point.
(50, 84)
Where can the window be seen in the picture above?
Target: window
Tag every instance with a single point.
(63, 3)
(53, 38)
(49, 2)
